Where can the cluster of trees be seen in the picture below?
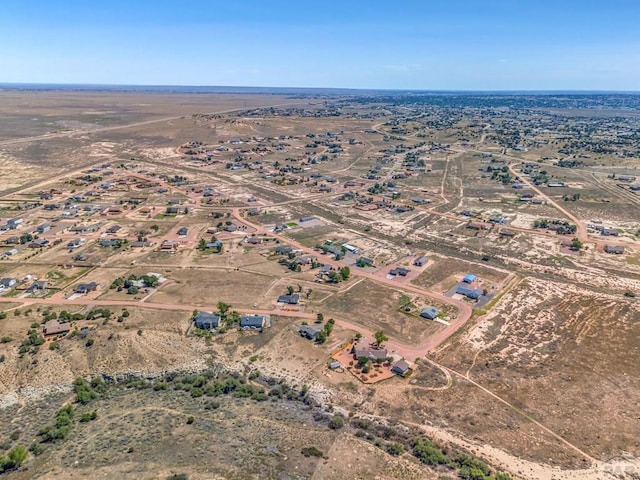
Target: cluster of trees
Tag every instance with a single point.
(562, 227)
(573, 198)
(338, 276)
(120, 283)
(32, 343)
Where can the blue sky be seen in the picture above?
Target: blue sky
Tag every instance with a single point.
(412, 44)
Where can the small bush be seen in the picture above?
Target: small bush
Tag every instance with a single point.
(311, 452)
(190, 420)
(336, 422)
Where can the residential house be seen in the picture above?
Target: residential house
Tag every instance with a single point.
(254, 322)
(614, 249)
(54, 327)
(114, 229)
(38, 285)
(141, 244)
(75, 243)
(292, 299)
(472, 293)
(401, 271)
(8, 282)
(183, 231)
(364, 262)
(39, 243)
(421, 261)
(507, 233)
(610, 232)
(470, 278)
(310, 332)
(45, 227)
(84, 288)
(401, 367)
(429, 312)
(283, 250)
(254, 240)
(207, 320)
(168, 245)
(373, 354)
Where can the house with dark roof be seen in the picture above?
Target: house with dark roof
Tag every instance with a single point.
(85, 288)
(8, 282)
(401, 367)
(429, 312)
(401, 271)
(283, 250)
(292, 299)
(207, 320)
(421, 261)
(310, 332)
(39, 243)
(609, 232)
(373, 354)
(364, 262)
(254, 322)
(183, 231)
(472, 293)
(614, 249)
(53, 327)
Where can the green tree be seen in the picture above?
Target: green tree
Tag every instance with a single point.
(576, 244)
(380, 338)
(223, 308)
(345, 272)
(289, 290)
(319, 318)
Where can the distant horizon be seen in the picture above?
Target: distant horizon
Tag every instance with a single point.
(193, 88)
(462, 45)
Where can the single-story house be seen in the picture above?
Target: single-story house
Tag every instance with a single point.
(75, 243)
(53, 327)
(507, 233)
(310, 332)
(114, 229)
(168, 245)
(254, 240)
(372, 354)
(254, 322)
(45, 227)
(283, 250)
(86, 287)
(610, 232)
(215, 244)
(472, 293)
(364, 262)
(335, 364)
(306, 219)
(183, 231)
(38, 285)
(421, 261)
(401, 367)
(207, 320)
(403, 272)
(141, 244)
(470, 278)
(429, 312)
(81, 257)
(8, 282)
(292, 299)
(615, 249)
(39, 243)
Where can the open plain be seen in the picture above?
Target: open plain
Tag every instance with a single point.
(183, 272)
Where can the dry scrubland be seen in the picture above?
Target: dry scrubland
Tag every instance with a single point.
(541, 382)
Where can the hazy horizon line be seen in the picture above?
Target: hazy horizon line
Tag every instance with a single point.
(257, 88)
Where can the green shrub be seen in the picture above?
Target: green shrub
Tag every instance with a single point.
(311, 452)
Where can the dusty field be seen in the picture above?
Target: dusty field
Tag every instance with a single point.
(357, 305)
